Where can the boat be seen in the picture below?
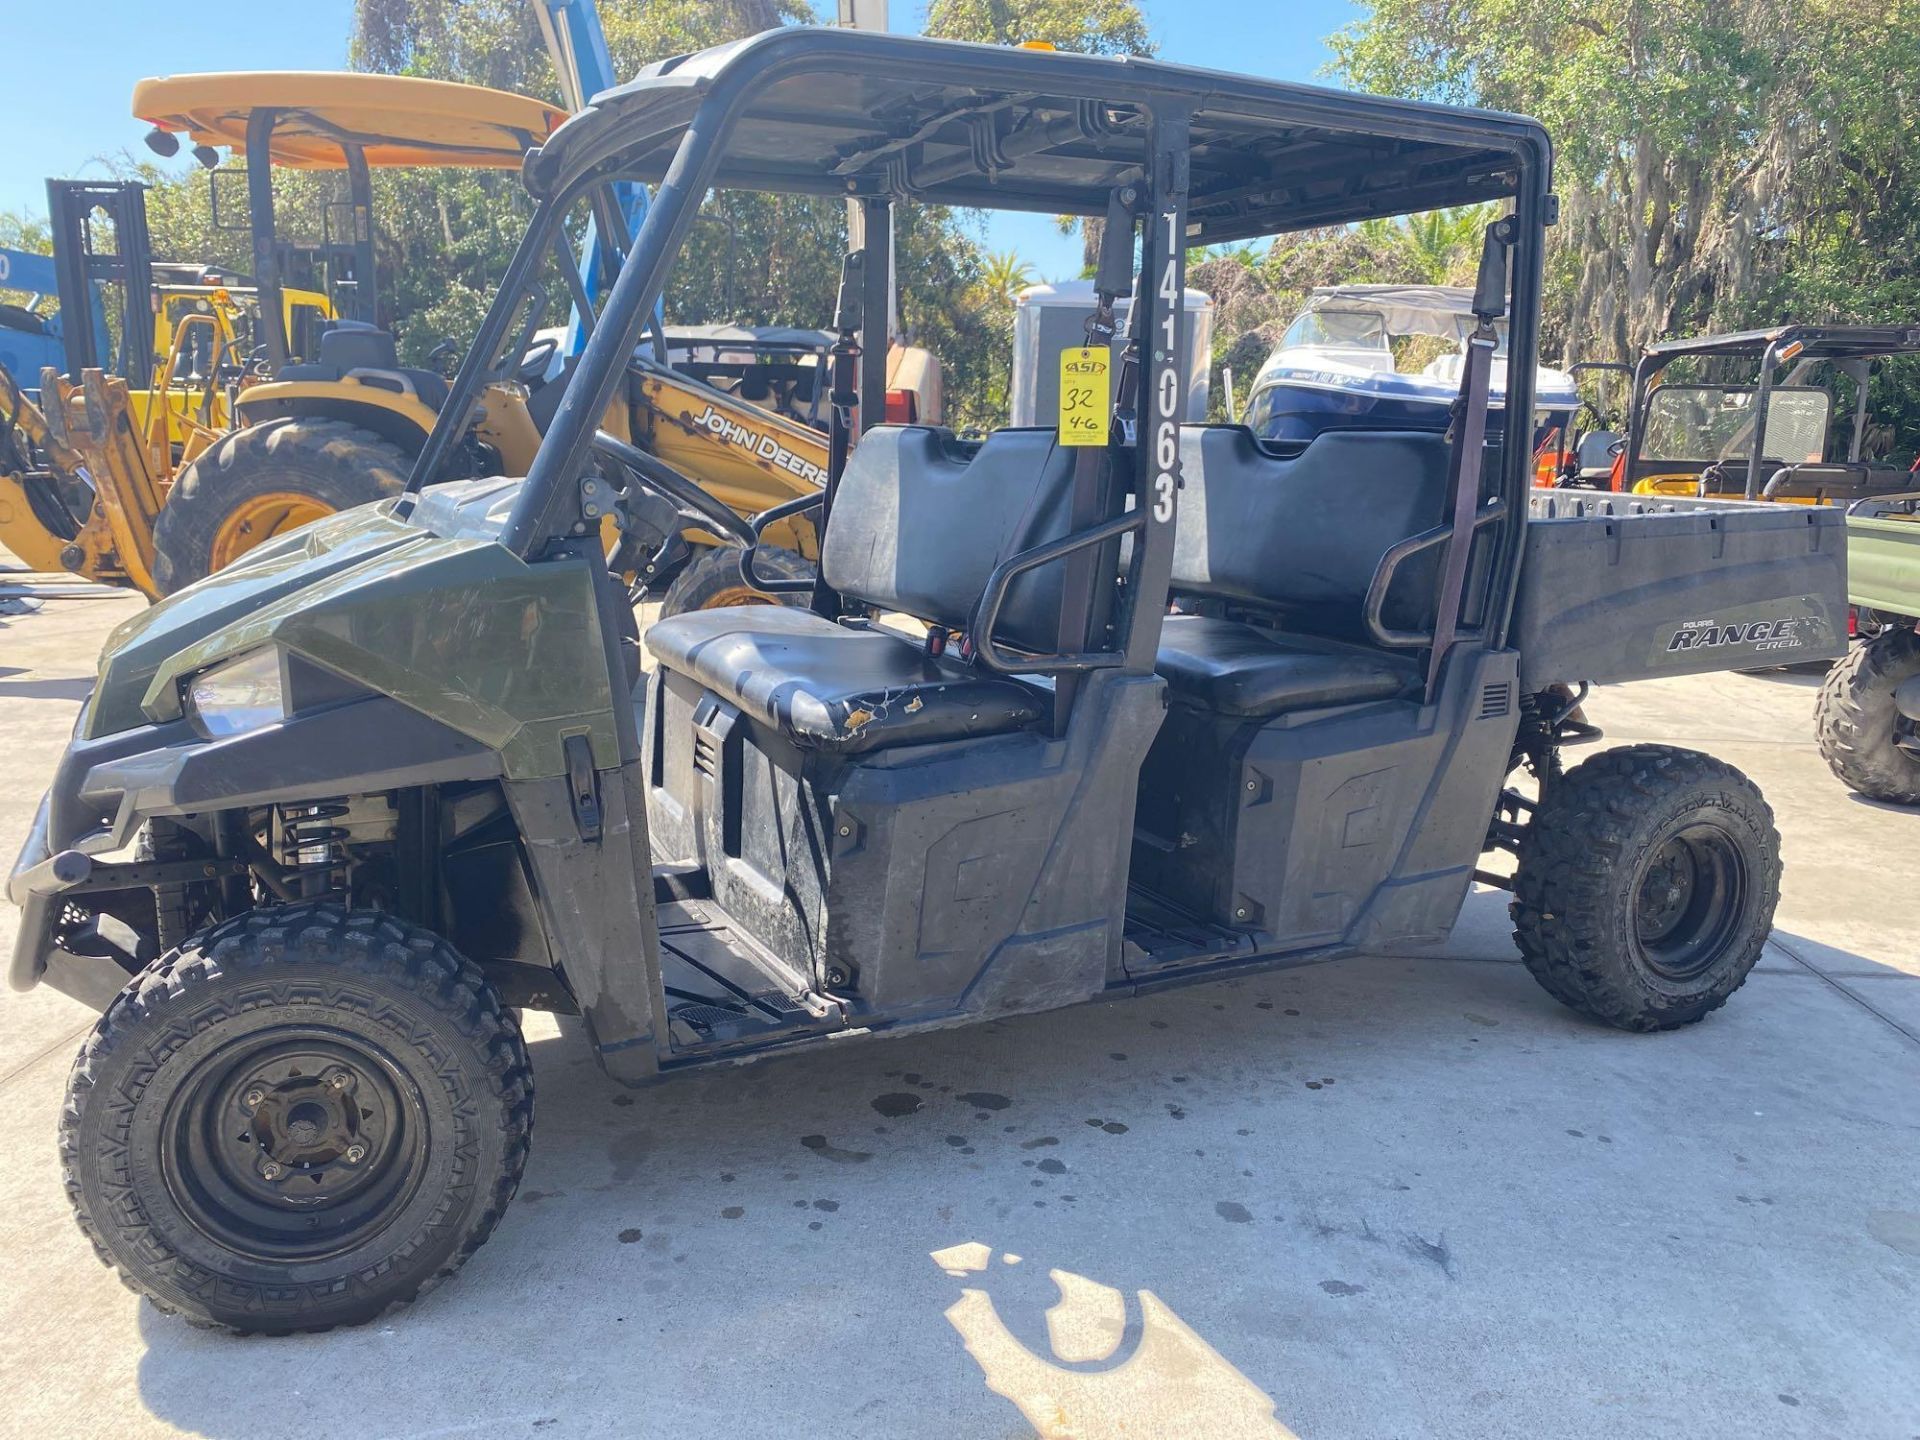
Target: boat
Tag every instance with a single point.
(1387, 357)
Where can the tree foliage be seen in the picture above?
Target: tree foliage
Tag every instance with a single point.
(1721, 162)
(1089, 27)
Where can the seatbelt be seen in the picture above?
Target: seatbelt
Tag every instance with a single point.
(1088, 505)
(844, 360)
(1469, 435)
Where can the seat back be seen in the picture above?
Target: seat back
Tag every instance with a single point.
(1303, 533)
(921, 519)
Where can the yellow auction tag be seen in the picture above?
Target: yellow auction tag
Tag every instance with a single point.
(1084, 396)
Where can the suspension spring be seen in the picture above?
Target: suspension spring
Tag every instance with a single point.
(308, 836)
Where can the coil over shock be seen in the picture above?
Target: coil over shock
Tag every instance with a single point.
(310, 838)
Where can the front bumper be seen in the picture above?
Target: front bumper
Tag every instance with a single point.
(37, 887)
(105, 789)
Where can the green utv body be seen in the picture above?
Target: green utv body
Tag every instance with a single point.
(1175, 707)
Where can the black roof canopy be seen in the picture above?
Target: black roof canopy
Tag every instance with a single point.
(1816, 342)
(854, 113)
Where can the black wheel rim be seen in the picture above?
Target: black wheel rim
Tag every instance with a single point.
(1691, 894)
(295, 1143)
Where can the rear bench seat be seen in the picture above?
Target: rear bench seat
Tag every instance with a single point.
(1239, 771)
(1295, 538)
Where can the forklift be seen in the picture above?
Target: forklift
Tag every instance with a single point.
(328, 418)
(1068, 712)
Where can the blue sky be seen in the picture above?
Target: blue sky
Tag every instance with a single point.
(74, 65)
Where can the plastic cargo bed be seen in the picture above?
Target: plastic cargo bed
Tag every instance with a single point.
(1630, 587)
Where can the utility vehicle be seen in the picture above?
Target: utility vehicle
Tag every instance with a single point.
(333, 816)
(1695, 436)
(1867, 718)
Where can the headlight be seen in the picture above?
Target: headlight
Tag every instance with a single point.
(242, 694)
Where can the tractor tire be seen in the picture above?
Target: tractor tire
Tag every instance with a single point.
(297, 1119)
(712, 579)
(263, 480)
(1646, 886)
(1858, 726)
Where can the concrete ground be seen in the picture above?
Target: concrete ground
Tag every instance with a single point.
(1395, 1196)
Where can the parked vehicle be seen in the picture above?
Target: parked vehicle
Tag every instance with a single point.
(1867, 719)
(333, 815)
(1354, 356)
(1697, 436)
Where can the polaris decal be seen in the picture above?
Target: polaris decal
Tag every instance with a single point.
(758, 445)
(1783, 633)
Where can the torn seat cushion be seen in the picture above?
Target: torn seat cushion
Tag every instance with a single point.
(829, 686)
(1237, 669)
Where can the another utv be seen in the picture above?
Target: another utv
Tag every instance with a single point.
(1163, 706)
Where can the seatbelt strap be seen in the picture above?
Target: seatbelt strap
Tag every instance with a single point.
(1088, 505)
(1463, 484)
(1467, 457)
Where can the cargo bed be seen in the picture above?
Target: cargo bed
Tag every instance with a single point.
(1631, 587)
(1883, 554)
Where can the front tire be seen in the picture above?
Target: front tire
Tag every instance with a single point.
(1859, 728)
(263, 480)
(1646, 887)
(712, 579)
(299, 1118)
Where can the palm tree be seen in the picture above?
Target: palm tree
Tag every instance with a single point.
(1441, 246)
(1006, 275)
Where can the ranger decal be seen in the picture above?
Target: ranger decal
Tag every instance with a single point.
(1779, 634)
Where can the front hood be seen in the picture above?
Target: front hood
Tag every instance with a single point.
(428, 609)
(284, 566)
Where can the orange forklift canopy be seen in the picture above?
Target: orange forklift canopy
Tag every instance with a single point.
(396, 119)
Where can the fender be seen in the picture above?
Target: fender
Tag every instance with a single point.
(167, 770)
(404, 419)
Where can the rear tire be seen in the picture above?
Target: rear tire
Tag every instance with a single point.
(1646, 887)
(299, 1118)
(263, 480)
(712, 579)
(1857, 724)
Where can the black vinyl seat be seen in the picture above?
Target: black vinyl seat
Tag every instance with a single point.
(920, 521)
(831, 687)
(1294, 537)
(1236, 669)
(351, 349)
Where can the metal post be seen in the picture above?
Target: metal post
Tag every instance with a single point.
(623, 319)
(1762, 402)
(266, 257)
(485, 349)
(876, 285)
(366, 299)
(1162, 296)
(1862, 372)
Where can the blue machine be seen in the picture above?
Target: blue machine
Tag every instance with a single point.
(578, 46)
(30, 337)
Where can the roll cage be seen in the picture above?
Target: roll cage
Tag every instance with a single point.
(1192, 157)
(1851, 348)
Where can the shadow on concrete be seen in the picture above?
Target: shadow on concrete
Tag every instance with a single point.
(1083, 1362)
(1264, 1162)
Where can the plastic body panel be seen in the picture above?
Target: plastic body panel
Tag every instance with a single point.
(1883, 563)
(439, 622)
(1358, 825)
(959, 880)
(1624, 587)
